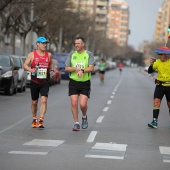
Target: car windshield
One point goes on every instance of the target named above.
(4, 61)
(17, 62)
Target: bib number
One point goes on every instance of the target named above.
(42, 73)
(79, 65)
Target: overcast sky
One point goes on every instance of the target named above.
(143, 15)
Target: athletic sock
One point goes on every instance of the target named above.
(155, 113)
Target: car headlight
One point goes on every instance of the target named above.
(7, 74)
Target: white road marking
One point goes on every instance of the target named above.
(110, 146)
(111, 97)
(164, 150)
(166, 161)
(99, 120)
(28, 153)
(113, 93)
(104, 156)
(91, 136)
(114, 151)
(41, 142)
(105, 109)
(109, 102)
(15, 124)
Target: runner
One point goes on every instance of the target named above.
(80, 64)
(41, 65)
(162, 65)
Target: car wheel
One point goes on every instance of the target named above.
(15, 90)
(24, 88)
(21, 89)
(10, 91)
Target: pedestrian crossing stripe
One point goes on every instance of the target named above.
(165, 151)
(42, 142)
(107, 151)
(28, 153)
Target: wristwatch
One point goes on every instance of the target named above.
(82, 70)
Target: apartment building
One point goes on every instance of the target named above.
(118, 22)
(97, 10)
(162, 23)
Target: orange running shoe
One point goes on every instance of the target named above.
(35, 123)
(41, 125)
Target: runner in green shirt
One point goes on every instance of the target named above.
(80, 64)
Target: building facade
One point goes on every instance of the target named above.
(118, 22)
(162, 23)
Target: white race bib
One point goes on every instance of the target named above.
(42, 73)
(79, 65)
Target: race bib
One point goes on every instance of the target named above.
(80, 65)
(42, 73)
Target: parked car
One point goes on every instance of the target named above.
(62, 57)
(56, 79)
(22, 78)
(28, 72)
(8, 75)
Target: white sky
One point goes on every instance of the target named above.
(143, 15)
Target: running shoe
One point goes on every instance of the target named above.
(76, 127)
(84, 124)
(35, 123)
(153, 124)
(41, 125)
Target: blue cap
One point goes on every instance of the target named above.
(42, 40)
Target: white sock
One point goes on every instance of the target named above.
(76, 122)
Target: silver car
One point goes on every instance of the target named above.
(28, 72)
(22, 73)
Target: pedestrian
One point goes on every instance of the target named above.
(120, 65)
(162, 66)
(40, 64)
(102, 67)
(80, 64)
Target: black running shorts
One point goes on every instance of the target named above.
(37, 89)
(76, 87)
(160, 91)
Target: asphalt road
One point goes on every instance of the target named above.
(117, 137)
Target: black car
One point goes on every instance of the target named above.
(8, 75)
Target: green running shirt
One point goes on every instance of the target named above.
(81, 61)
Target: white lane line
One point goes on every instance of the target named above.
(113, 93)
(28, 153)
(20, 121)
(111, 97)
(105, 109)
(92, 136)
(104, 156)
(109, 102)
(99, 120)
(15, 124)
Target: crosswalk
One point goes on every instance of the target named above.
(98, 150)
